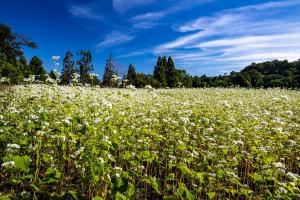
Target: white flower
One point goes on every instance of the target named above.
(225, 103)
(79, 151)
(13, 146)
(236, 142)
(118, 168)
(286, 98)
(55, 58)
(101, 160)
(9, 163)
(148, 87)
(130, 87)
(184, 119)
(279, 165)
(172, 157)
(107, 104)
(282, 190)
(117, 175)
(93, 75)
(292, 176)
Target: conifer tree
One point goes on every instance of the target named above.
(159, 71)
(85, 66)
(131, 75)
(109, 71)
(171, 73)
(36, 66)
(68, 68)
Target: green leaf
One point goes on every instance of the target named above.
(170, 177)
(211, 195)
(34, 187)
(2, 197)
(130, 189)
(97, 198)
(75, 195)
(290, 188)
(22, 163)
(184, 192)
(120, 196)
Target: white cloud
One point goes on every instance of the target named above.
(114, 38)
(150, 19)
(84, 12)
(124, 5)
(236, 37)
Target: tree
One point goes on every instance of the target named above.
(13, 64)
(23, 66)
(171, 74)
(11, 43)
(68, 68)
(85, 66)
(159, 71)
(109, 71)
(240, 80)
(131, 75)
(256, 78)
(36, 67)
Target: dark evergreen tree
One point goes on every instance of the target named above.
(171, 74)
(109, 71)
(85, 65)
(36, 66)
(160, 72)
(68, 68)
(23, 66)
(131, 75)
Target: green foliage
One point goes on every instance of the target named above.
(149, 144)
(131, 75)
(68, 69)
(85, 66)
(109, 71)
(36, 66)
(13, 64)
(11, 44)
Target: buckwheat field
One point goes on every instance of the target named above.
(61, 142)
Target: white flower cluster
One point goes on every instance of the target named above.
(4, 80)
(12, 146)
(92, 75)
(149, 87)
(78, 152)
(107, 104)
(132, 87)
(30, 79)
(7, 164)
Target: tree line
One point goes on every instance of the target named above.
(14, 66)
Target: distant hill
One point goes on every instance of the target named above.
(275, 73)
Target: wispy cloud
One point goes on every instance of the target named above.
(132, 54)
(150, 19)
(237, 37)
(124, 5)
(114, 38)
(85, 12)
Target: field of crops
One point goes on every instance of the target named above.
(90, 143)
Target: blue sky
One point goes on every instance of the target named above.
(209, 37)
